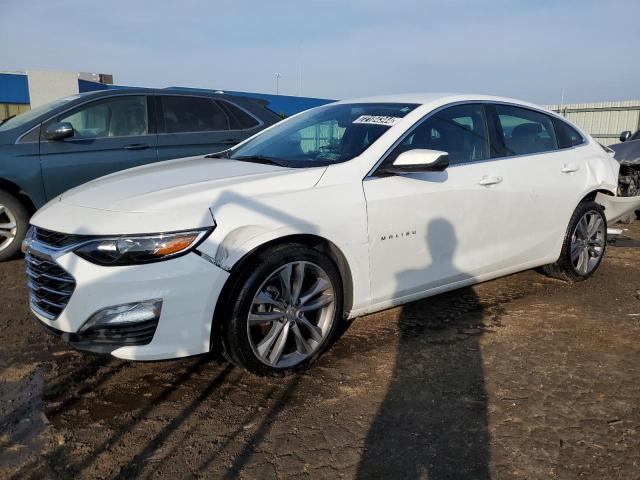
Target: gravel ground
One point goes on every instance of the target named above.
(522, 377)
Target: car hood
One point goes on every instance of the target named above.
(627, 153)
(7, 137)
(171, 195)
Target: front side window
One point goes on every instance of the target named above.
(525, 131)
(461, 131)
(323, 136)
(114, 117)
(192, 114)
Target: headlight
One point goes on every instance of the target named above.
(136, 249)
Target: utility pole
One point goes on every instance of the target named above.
(277, 77)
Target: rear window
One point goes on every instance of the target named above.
(192, 114)
(238, 118)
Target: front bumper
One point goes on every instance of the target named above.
(189, 287)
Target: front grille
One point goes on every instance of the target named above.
(50, 286)
(56, 239)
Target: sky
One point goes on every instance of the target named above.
(527, 49)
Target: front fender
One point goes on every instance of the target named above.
(20, 171)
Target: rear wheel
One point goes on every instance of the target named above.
(14, 221)
(284, 312)
(584, 245)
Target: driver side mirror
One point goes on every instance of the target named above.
(419, 161)
(624, 136)
(59, 131)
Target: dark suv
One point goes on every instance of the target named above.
(70, 141)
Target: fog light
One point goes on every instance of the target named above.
(122, 315)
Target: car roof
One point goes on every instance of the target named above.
(438, 98)
(156, 91)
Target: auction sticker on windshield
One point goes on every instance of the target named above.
(377, 120)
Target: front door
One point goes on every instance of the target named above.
(109, 135)
(432, 229)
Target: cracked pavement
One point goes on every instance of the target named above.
(521, 377)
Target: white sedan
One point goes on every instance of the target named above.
(334, 213)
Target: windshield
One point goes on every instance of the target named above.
(322, 136)
(25, 117)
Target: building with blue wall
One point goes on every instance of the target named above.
(20, 91)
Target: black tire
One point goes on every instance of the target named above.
(236, 345)
(564, 269)
(16, 211)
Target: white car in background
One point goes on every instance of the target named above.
(334, 213)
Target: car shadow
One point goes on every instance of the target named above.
(432, 422)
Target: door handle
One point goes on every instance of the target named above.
(488, 181)
(570, 168)
(230, 141)
(136, 146)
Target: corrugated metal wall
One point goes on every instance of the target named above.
(9, 109)
(603, 121)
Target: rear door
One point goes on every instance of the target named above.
(192, 125)
(109, 135)
(544, 179)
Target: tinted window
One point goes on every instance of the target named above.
(525, 131)
(114, 117)
(567, 135)
(238, 118)
(192, 114)
(31, 136)
(461, 131)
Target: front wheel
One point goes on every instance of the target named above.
(14, 221)
(285, 310)
(584, 244)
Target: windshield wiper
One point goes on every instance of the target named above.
(7, 119)
(222, 154)
(262, 159)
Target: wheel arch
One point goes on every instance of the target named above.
(314, 241)
(594, 193)
(15, 190)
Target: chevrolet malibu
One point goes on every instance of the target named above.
(343, 210)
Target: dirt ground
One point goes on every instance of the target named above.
(522, 377)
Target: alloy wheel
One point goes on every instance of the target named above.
(588, 242)
(8, 227)
(291, 314)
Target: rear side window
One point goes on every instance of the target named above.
(567, 135)
(525, 131)
(192, 114)
(238, 118)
